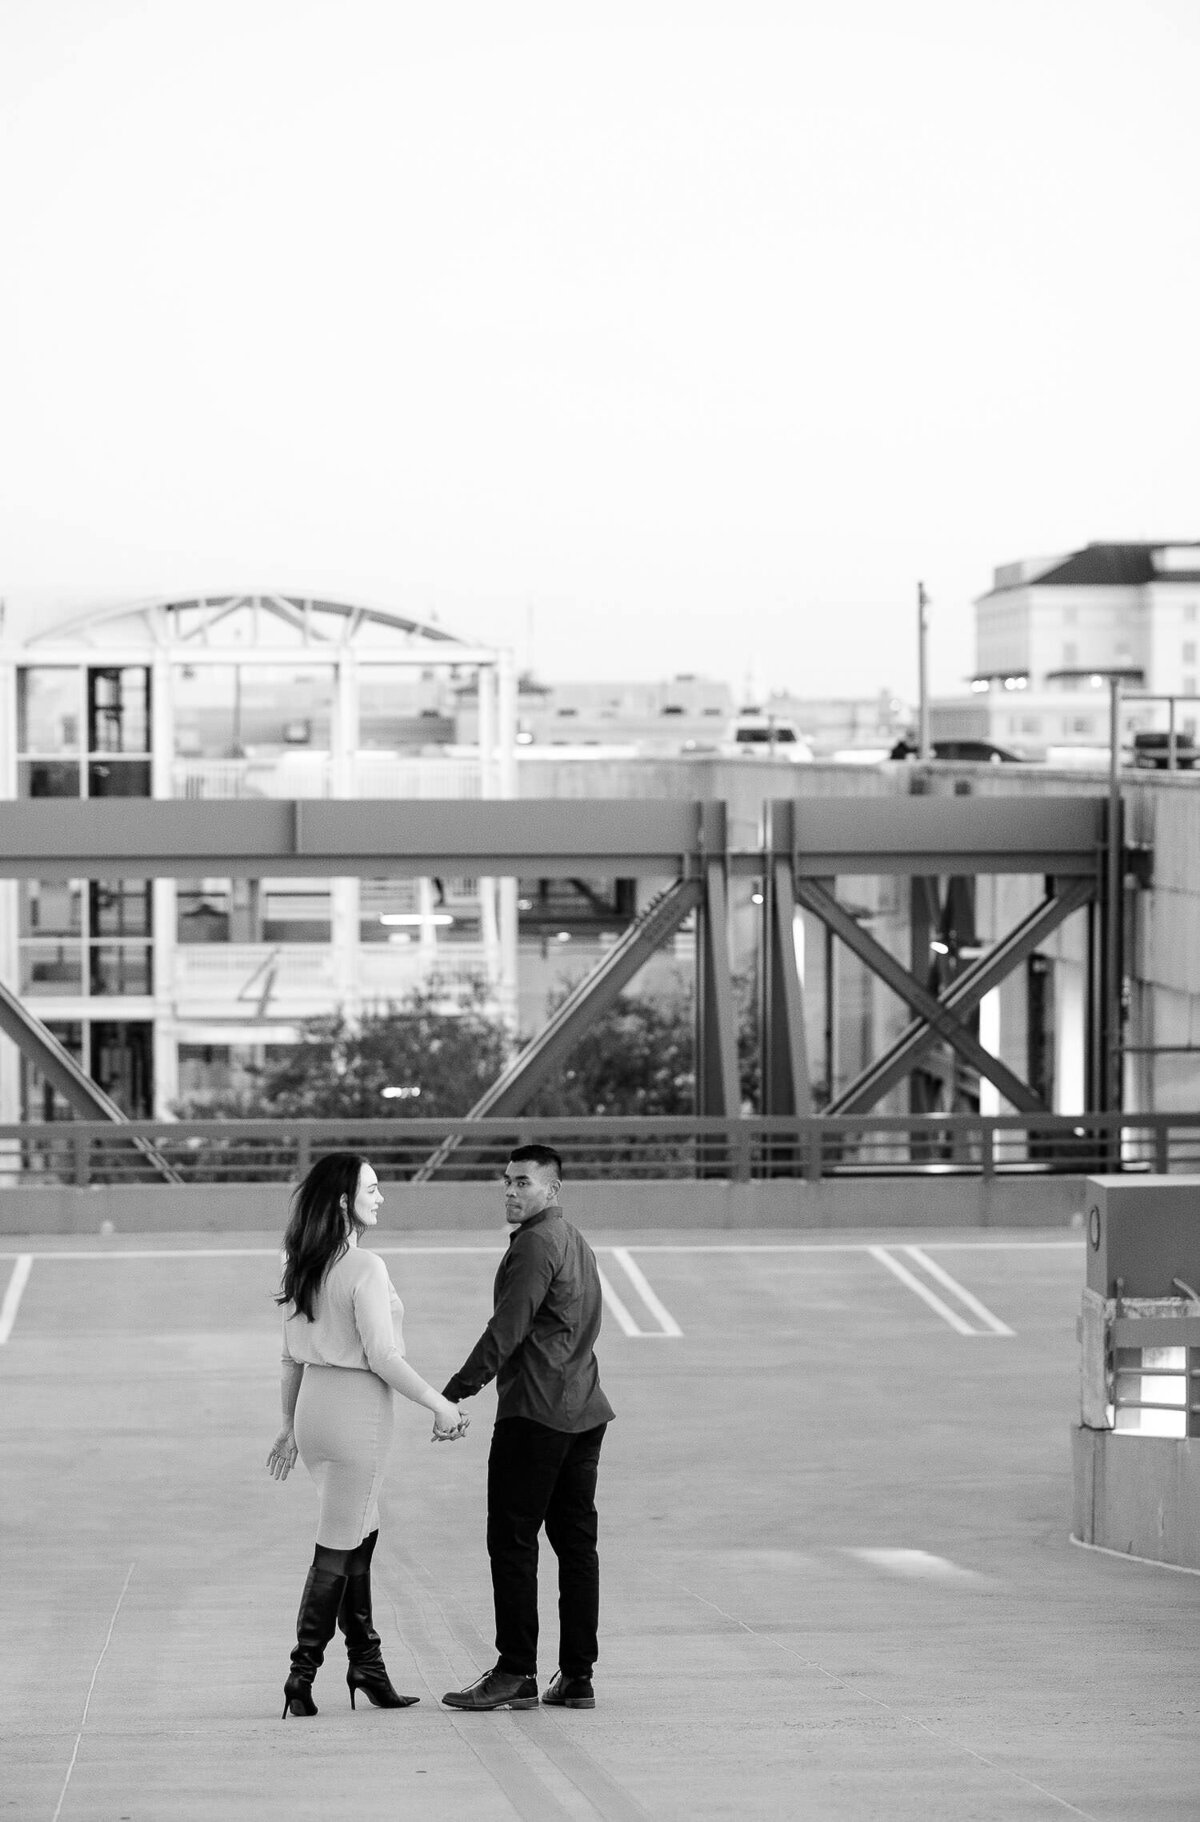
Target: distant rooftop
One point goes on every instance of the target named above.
(1105, 566)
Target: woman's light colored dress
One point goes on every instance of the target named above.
(344, 1410)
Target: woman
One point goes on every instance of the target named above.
(343, 1356)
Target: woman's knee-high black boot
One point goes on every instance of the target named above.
(315, 1626)
(367, 1670)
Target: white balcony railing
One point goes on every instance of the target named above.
(312, 775)
(245, 979)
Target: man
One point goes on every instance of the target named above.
(550, 1423)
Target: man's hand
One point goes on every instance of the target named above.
(449, 1423)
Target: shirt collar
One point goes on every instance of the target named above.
(552, 1208)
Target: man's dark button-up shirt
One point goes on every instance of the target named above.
(540, 1343)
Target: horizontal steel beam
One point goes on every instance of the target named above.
(835, 836)
(135, 838)
(130, 838)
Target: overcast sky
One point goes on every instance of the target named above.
(675, 335)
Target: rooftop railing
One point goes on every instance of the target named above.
(280, 1150)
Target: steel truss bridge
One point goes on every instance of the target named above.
(1074, 844)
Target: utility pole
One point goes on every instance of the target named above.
(1114, 880)
(924, 750)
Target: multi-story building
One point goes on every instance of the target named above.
(1052, 631)
(163, 988)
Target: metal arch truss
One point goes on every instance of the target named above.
(806, 844)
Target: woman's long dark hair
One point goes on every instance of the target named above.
(316, 1233)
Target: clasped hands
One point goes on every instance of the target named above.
(451, 1432)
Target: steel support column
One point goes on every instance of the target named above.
(786, 1088)
(717, 1089)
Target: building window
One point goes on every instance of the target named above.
(1189, 610)
(82, 937)
(1189, 651)
(1070, 654)
(108, 705)
(118, 1054)
(1189, 686)
(253, 911)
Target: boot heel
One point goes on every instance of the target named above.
(353, 1692)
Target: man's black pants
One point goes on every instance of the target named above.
(541, 1476)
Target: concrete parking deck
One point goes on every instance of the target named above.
(838, 1582)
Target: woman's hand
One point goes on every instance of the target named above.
(282, 1458)
(449, 1423)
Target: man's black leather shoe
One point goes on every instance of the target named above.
(495, 1689)
(570, 1692)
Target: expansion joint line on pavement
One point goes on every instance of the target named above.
(984, 1323)
(87, 1700)
(946, 1740)
(518, 1751)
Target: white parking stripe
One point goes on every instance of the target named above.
(12, 1296)
(613, 1303)
(921, 1290)
(965, 1297)
(667, 1324)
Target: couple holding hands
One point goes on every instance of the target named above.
(343, 1359)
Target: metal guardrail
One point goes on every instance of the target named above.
(83, 1152)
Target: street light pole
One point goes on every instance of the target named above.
(924, 750)
(1114, 960)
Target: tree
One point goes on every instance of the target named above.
(638, 1058)
(440, 1061)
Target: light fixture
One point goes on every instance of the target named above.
(939, 948)
(756, 898)
(564, 936)
(416, 917)
(412, 1093)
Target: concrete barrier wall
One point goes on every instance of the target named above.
(1138, 1495)
(900, 1202)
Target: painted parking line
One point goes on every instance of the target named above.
(667, 1324)
(615, 1307)
(667, 1327)
(914, 1284)
(965, 1297)
(12, 1296)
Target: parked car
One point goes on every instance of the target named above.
(1151, 751)
(985, 751)
(764, 736)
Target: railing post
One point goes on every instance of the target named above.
(814, 1134)
(80, 1147)
(1162, 1146)
(987, 1149)
(740, 1151)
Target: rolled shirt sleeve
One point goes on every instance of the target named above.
(521, 1285)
